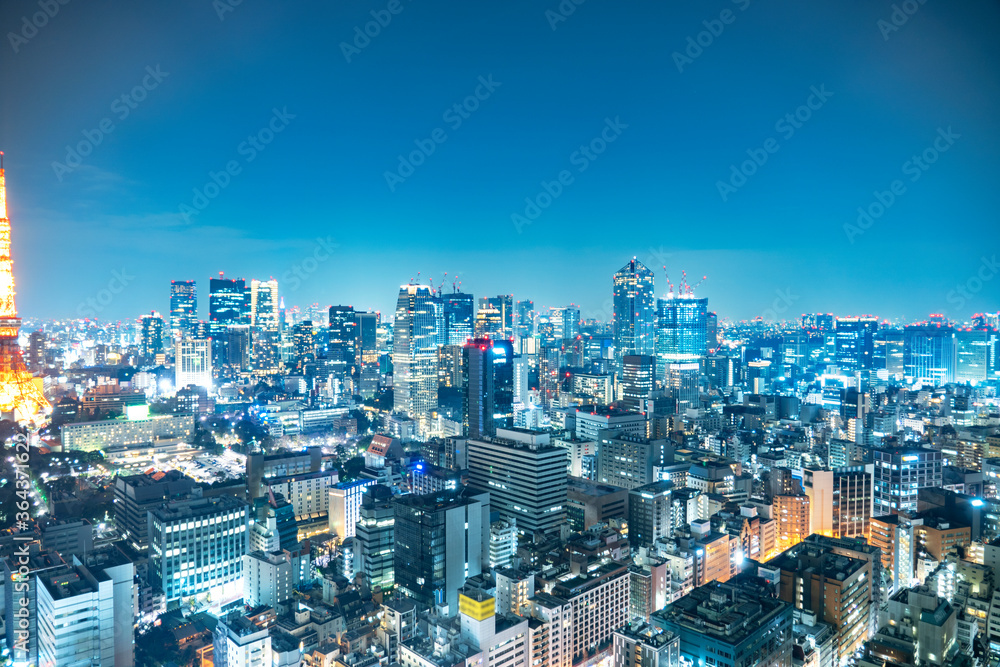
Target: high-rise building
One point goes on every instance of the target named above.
(762, 637)
(569, 322)
(972, 354)
(682, 382)
(525, 321)
(228, 305)
(440, 541)
(525, 476)
(345, 503)
(303, 344)
(627, 460)
(634, 312)
(681, 329)
(268, 578)
(366, 347)
(85, 614)
(192, 363)
(151, 340)
(414, 355)
(929, 353)
(374, 539)
(343, 336)
(264, 304)
(888, 352)
(202, 541)
(855, 342)
(488, 382)
(900, 472)
(459, 317)
(183, 308)
(650, 511)
(264, 325)
(599, 600)
(504, 304)
(638, 379)
(819, 576)
(840, 500)
(489, 322)
(135, 495)
(791, 512)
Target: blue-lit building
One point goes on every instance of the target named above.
(459, 317)
(681, 329)
(488, 380)
(855, 342)
(737, 623)
(929, 353)
(634, 312)
(183, 308)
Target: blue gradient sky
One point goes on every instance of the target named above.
(652, 193)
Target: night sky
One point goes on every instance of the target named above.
(670, 117)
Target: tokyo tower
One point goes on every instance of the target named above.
(21, 396)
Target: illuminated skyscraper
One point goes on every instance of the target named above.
(20, 396)
(489, 323)
(635, 315)
(414, 355)
(192, 363)
(264, 305)
(343, 335)
(855, 347)
(929, 353)
(228, 305)
(638, 379)
(971, 354)
(488, 370)
(183, 308)
(264, 325)
(151, 337)
(888, 351)
(303, 344)
(681, 329)
(504, 303)
(228, 302)
(459, 317)
(900, 472)
(524, 325)
(366, 347)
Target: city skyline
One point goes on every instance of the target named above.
(664, 170)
